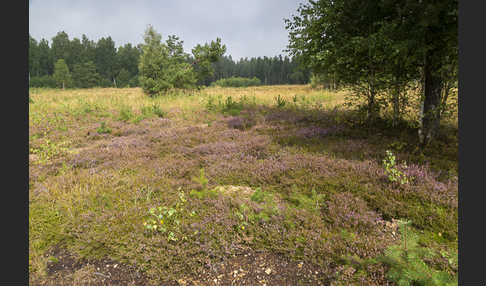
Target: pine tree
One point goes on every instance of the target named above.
(61, 75)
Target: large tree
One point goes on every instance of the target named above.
(165, 66)
(61, 48)
(85, 75)
(380, 46)
(204, 56)
(105, 58)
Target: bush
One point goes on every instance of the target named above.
(42, 81)
(237, 82)
(407, 266)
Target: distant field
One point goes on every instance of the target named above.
(277, 183)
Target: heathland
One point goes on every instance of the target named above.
(275, 185)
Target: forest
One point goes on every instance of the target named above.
(101, 63)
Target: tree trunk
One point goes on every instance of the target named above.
(396, 105)
(431, 102)
(372, 114)
(63, 85)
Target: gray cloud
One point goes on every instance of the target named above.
(248, 28)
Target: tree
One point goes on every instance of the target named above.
(105, 58)
(46, 61)
(123, 78)
(380, 46)
(61, 48)
(85, 75)
(34, 65)
(61, 75)
(165, 66)
(204, 56)
(127, 58)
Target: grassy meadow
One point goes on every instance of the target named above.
(186, 189)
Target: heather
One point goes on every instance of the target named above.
(303, 180)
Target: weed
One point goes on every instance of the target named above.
(167, 220)
(258, 196)
(210, 106)
(103, 129)
(125, 113)
(232, 107)
(158, 111)
(49, 150)
(280, 101)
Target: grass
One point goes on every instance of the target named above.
(278, 169)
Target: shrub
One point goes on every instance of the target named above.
(393, 173)
(406, 263)
(42, 81)
(103, 128)
(237, 82)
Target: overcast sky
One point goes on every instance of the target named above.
(249, 28)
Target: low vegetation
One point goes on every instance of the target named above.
(237, 82)
(173, 186)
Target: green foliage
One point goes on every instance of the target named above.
(42, 81)
(164, 66)
(204, 56)
(230, 106)
(123, 78)
(61, 75)
(201, 180)
(394, 174)
(258, 196)
(312, 202)
(280, 101)
(406, 262)
(85, 75)
(103, 129)
(125, 113)
(49, 150)
(167, 219)
(154, 109)
(202, 190)
(373, 48)
(237, 82)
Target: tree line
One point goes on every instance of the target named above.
(84, 63)
(88, 63)
(269, 70)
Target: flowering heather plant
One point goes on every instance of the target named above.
(241, 123)
(314, 131)
(348, 211)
